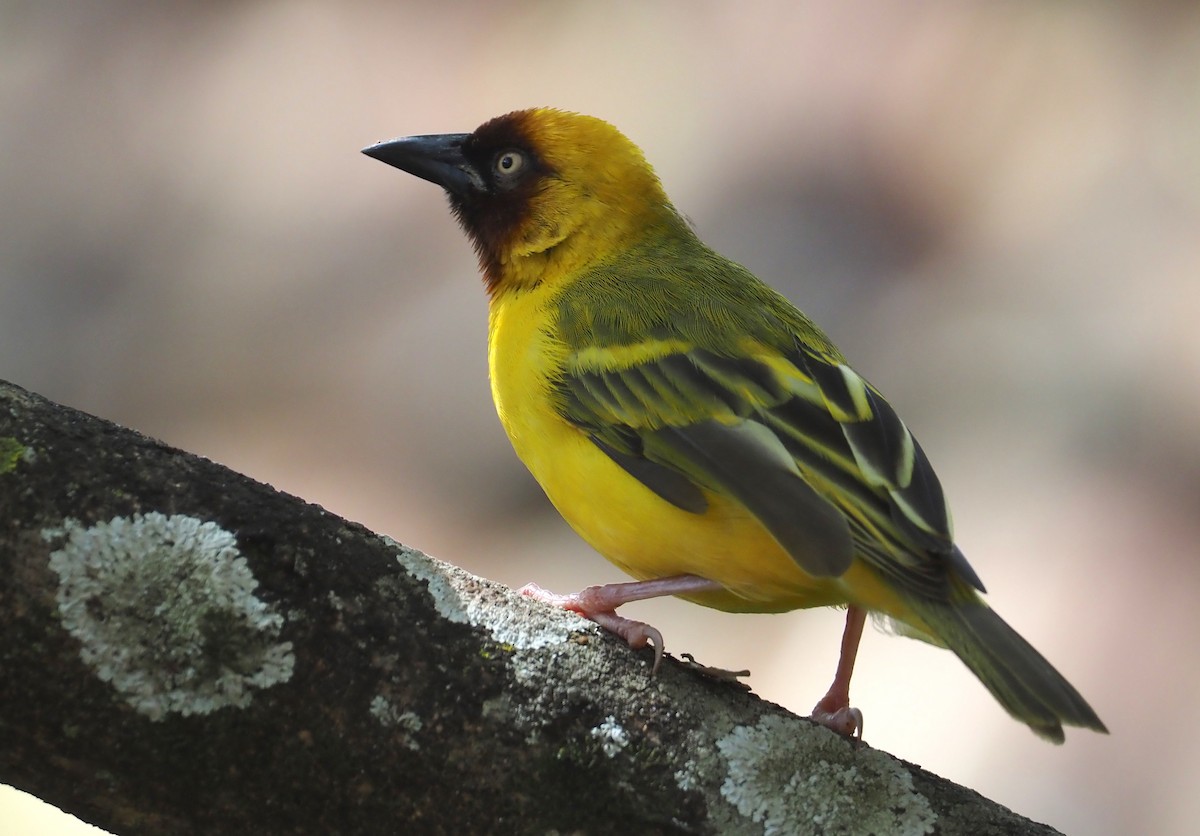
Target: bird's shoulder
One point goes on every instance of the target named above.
(671, 293)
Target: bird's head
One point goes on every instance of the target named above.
(540, 192)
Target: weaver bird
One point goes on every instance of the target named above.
(692, 425)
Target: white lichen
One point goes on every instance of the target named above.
(611, 735)
(165, 610)
(690, 775)
(405, 722)
(457, 599)
(805, 783)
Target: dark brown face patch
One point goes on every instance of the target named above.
(494, 216)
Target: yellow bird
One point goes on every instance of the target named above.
(696, 428)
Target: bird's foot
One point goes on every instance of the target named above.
(599, 603)
(834, 711)
(846, 721)
(593, 604)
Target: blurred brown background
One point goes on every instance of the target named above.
(994, 209)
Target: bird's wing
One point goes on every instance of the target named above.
(799, 439)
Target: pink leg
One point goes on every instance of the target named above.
(599, 603)
(834, 711)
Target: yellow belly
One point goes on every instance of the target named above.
(626, 522)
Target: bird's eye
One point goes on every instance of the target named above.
(508, 164)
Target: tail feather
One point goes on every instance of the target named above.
(1019, 677)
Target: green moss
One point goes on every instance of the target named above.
(497, 651)
(11, 452)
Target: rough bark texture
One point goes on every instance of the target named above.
(184, 650)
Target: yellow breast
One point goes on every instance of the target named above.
(617, 515)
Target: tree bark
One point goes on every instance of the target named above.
(184, 650)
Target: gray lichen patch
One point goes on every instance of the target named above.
(459, 597)
(166, 613)
(805, 783)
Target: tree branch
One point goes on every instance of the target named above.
(185, 650)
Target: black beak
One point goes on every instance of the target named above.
(438, 159)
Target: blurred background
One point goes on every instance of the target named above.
(994, 209)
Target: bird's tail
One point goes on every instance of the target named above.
(1019, 677)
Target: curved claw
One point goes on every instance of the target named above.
(637, 634)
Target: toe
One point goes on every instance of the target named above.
(846, 721)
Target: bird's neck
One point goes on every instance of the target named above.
(560, 250)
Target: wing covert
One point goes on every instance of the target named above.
(802, 442)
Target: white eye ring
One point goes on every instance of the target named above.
(509, 163)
